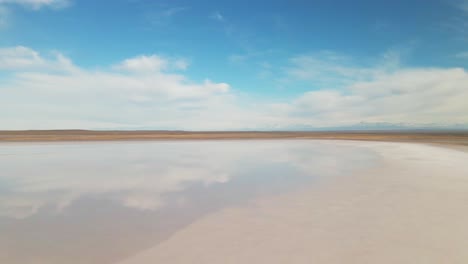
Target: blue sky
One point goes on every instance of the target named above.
(137, 64)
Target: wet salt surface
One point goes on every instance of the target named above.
(102, 202)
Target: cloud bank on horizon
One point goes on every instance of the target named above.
(223, 66)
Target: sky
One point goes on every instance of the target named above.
(233, 65)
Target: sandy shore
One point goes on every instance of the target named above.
(413, 208)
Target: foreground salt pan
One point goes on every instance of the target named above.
(411, 209)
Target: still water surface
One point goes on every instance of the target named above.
(105, 201)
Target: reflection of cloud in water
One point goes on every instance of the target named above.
(142, 175)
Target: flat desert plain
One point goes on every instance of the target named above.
(444, 137)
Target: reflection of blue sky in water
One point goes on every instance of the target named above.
(139, 175)
(144, 190)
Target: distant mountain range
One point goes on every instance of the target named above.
(369, 126)
(402, 126)
(362, 126)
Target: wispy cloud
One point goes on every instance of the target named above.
(260, 58)
(463, 5)
(217, 16)
(173, 11)
(4, 17)
(462, 55)
(237, 58)
(6, 13)
(38, 4)
(458, 22)
(266, 70)
(240, 35)
(165, 16)
(250, 55)
(328, 69)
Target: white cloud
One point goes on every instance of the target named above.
(151, 64)
(148, 91)
(345, 93)
(22, 58)
(418, 96)
(38, 4)
(144, 64)
(138, 92)
(19, 57)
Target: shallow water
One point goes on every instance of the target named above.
(102, 202)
